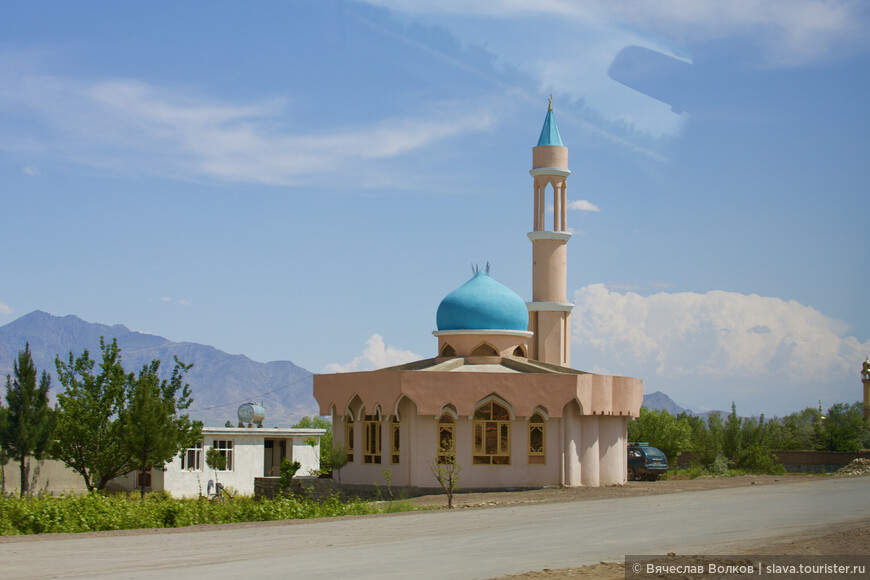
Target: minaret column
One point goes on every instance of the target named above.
(549, 311)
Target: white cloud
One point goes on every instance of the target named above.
(5, 308)
(131, 126)
(376, 355)
(719, 346)
(582, 205)
(584, 38)
(31, 171)
(791, 31)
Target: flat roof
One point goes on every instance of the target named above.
(263, 431)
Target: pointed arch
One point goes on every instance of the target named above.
(398, 404)
(520, 351)
(372, 436)
(484, 349)
(450, 409)
(536, 440)
(446, 434)
(353, 407)
(542, 410)
(448, 351)
(491, 432)
(495, 397)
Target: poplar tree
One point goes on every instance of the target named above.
(154, 429)
(28, 423)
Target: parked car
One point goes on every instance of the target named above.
(645, 462)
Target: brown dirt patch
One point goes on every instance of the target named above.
(630, 489)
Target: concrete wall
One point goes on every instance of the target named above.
(48, 476)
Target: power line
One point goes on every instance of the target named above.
(248, 400)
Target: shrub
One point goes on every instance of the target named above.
(98, 512)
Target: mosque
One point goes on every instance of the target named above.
(500, 391)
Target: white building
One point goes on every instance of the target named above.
(250, 452)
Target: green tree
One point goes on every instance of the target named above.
(90, 436)
(153, 425)
(337, 460)
(4, 457)
(661, 430)
(288, 471)
(111, 423)
(704, 441)
(796, 431)
(29, 421)
(843, 429)
(217, 461)
(317, 422)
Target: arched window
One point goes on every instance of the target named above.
(372, 443)
(492, 435)
(394, 439)
(448, 351)
(518, 351)
(537, 440)
(348, 437)
(446, 437)
(484, 349)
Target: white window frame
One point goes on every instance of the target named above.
(225, 446)
(196, 452)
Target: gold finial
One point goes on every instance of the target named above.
(551, 102)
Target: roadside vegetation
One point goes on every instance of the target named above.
(95, 512)
(734, 445)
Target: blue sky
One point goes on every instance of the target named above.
(307, 180)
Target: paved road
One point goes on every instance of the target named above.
(460, 544)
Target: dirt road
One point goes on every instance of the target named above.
(532, 531)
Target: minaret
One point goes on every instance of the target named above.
(549, 311)
(865, 381)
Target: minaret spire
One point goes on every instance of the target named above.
(549, 311)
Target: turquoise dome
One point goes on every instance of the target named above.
(482, 304)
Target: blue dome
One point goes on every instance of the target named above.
(480, 304)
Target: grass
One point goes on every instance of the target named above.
(695, 471)
(99, 512)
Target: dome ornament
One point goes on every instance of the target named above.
(475, 268)
(550, 108)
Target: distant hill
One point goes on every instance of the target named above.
(220, 382)
(659, 401)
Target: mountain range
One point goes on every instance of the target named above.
(220, 382)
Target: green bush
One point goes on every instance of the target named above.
(98, 512)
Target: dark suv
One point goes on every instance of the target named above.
(645, 462)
